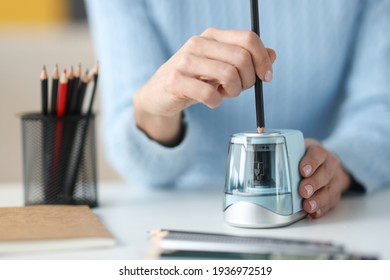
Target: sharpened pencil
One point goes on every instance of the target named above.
(59, 143)
(76, 84)
(259, 84)
(44, 91)
(62, 95)
(45, 133)
(69, 97)
(54, 91)
(95, 81)
(81, 92)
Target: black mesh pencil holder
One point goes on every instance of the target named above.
(59, 160)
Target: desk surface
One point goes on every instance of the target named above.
(360, 223)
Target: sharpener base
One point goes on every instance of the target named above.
(250, 215)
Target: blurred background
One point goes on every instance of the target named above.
(33, 34)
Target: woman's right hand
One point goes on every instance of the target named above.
(215, 65)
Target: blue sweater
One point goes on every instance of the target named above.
(331, 81)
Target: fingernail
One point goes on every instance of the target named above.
(318, 213)
(268, 76)
(309, 189)
(307, 169)
(313, 205)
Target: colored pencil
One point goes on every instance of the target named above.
(62, 95)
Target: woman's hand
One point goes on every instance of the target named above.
(215, 65)
(324, 179)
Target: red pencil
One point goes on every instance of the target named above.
(62, 95)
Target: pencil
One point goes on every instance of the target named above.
(44, 91)
(76, 84)
(81, 92)
(46, 139)
(95, 81)
(54, 91)
(59, 151)
(69, 97)
(62, 95)
(259, 84)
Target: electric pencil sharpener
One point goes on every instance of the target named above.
(261, 188)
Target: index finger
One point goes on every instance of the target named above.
(249, 41)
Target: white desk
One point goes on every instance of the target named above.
(360, 223)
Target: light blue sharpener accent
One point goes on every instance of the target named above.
(262, 179)
(295, 151)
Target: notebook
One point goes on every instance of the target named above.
(51, 227)
(202, 245)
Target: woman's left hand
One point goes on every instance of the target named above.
(324, 179)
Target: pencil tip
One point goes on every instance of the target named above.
(70, 73)
(260, 129)
(44, 73)
(55, 72)
(86, 78)
(96, 68)
(63, 78)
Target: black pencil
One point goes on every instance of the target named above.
(259, 84)
(76, 84)
(46, 155)
(54, 91)
(69, 96)
(77, 75)
(44, 91)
